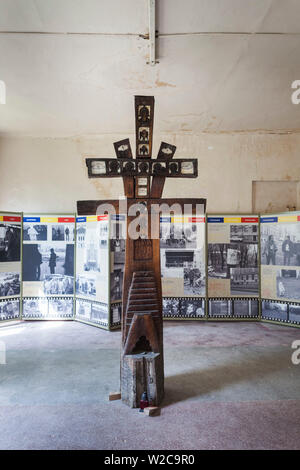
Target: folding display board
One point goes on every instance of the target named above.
(48, 266)
(10, 265)
(280, 268)
(182, 257)
(233, 266)
(222, 267)
(117, 266)
(92, 270)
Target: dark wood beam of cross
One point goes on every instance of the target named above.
(142, 370)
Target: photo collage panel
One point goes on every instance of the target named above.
(10, 265)
(232, 253)
(92, 269)
(48, 265)
(182, 254)
(280, 257)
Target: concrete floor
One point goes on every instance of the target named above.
(228, 386)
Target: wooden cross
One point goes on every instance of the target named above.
(142, 367)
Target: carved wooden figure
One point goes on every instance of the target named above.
(142, 366)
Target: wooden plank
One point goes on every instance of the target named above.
(114, 396)
(144, 116)
(166, 152)
(152, 411)
(123, 150)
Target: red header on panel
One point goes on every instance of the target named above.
(102, 217)
(249, 220)
(196, 219)
(11, 218)
(66, 219)
(298, 218)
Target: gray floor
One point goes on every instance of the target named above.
(228, 386)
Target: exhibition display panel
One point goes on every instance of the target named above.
(280, 267)
(222, 267)
(100, 262)
(117, 267)
(233, 266)
(48, 266)
(183, 273)
(92, 270)
(10, 266)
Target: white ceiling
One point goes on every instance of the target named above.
(224, 65)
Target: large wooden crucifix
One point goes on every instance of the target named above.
(142, 366)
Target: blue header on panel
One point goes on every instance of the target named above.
(265, 220)
(215, 220)
(165, 219)
(31, 219)
(80, 219)
(118, 217)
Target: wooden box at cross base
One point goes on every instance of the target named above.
(142, 361)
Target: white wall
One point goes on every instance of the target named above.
(45, 175)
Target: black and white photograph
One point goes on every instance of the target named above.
(194, 280)
(242, 255)
(288, 283)
(280, 244)
(80, 236)
(294, 313)
(9, 284)
(83, 309)
(178, 235)
(57, 284)
(85, 286)
(222, 257)
(245, 308)
(116, 284)
(40, 260)
(58, 232)
(60, 307)
(102, 234)
(244, 233)
(192, 308)
(171, 307)
(10, 242)
(34, 307)
(92, 255)
(99, 313)
(117, 247)
(88, 248)
(9, 309)
(217, 260)
(177, 259)
(118, 229)
(219, 308)
(244, 281)
(116, 313)
(34, 232)
(274, 310)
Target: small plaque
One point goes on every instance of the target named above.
(142, 191)
(187, 168)
(98, 168)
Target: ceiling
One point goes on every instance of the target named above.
(71, 67)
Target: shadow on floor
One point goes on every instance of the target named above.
(206, 381)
